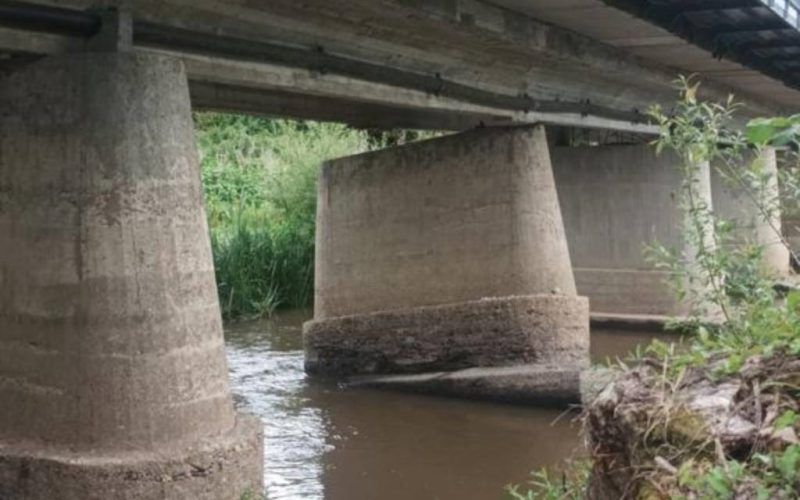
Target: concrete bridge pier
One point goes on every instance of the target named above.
(617, 199)
(113, 377)
(445, 255)
(753, 224)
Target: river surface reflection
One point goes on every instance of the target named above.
(323, 442)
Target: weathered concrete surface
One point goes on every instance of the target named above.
(442, 221)
(111, 345)
(215, 468)
(699, 239)
(532, 329)
(473, 43)
(753, 224)
(632, 322)
(617, 199)
(538, 385)
(443, 255)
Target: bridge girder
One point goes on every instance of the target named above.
(385, 63)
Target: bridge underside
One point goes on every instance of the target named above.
(450, 254)
(445, 65)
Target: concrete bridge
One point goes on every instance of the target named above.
(471, 254)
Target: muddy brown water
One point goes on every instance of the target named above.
(325, 442)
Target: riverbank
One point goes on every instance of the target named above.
(663, 430)
(717, 417)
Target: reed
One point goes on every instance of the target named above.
(259, 181)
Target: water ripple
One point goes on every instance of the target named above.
(266, 370)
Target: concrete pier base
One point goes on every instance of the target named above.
(218, 467)
(446, 255)
(528, 385)
(533, 329)
(113, 377)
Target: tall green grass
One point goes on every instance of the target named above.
(259, 179)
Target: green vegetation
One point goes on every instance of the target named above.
(570, 484)
(757, 320)
(716, 417)
(249, 495)
(259, 178)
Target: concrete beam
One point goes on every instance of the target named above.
(460, 53)
(281, 91)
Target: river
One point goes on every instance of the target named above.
(325, 442)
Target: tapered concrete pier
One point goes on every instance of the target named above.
(113, 378)
(756, 212)
(444, 255)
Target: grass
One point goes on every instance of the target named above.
(249, 495)
(645, 435)
(570, 484)
(664, 428)
(259, 180)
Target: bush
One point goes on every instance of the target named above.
(259, 179)
(718, 416)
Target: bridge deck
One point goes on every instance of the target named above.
(412, 63)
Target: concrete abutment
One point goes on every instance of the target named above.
(113, 375)
(446, 254)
